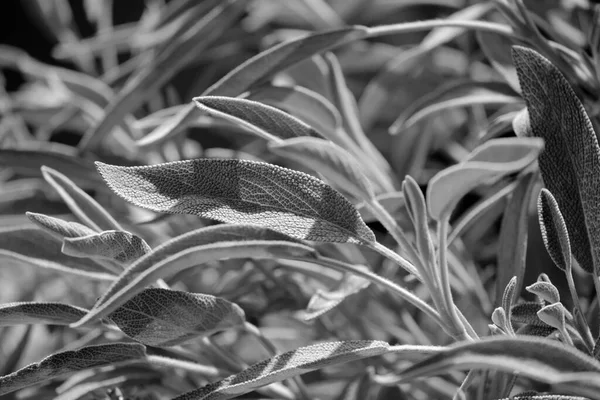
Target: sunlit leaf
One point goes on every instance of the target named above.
(286, 365)
(161, 317)
(120, 246)
(39, 313)
(554, 230)
(61, 364)
(59, 228)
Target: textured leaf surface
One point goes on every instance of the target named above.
(526, 313)
(286, 365)
(120, 246)
(492, 160)
(68, 362)
(240, 191)
(188, 258)
(338, 166)
(39, 313)
(265, 121)
(570, 164)
(554, 230)
(59, 228)
(161, 317)
(537, 358)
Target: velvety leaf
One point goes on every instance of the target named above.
(570, 164)
(265, 121)
(286, 365)
(68, 362)
(81, 204)
(536, 330)
(39, 313)
(324, 301)
(554, 230)
(554, 315)
(59, 228)
(526, 313)
(190, 257)
(162, 317)
(545, 290)
(338, 166)
(120, 246)
(512, 247)
(239, 191)
(492, 160)
(497, 50)
(532, 357)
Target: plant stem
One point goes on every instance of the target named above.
(408, 27)
(204, 370)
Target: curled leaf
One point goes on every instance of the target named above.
(39, 313)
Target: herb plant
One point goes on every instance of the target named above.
(348, 208)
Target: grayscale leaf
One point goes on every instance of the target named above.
(338, 166)
(120, 246)
(80, 203)
(496, 49)
(68, 362)
(240, 191)
(391, 202)
(490, 161)
(59, 228)
(554, 230)
(512, 247)
(27, 313)
(264, 121)
(287, 365)
(526, 313)
(162, 317)
(324, 301)
(545, 290)
(570, 164)
(192, 256)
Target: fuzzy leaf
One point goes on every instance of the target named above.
(39, 313)
(512, 248)
(59, 228)
(68, 362)
(554, 315)
(526, 313)
(554, 230)
(338, 166)
(120, 246)
(537, 358)
(133, 283)
(287, 365)
(265, 121)
(545, 290)
(570, 164)
(240, 191)
(490, 161)
(162, 317)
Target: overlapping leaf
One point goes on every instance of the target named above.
(554, 230)
(39, 313)
(59, 228)
(120, 246)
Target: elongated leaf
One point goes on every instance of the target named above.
(240, 191)
(65, 363)
(492, 160)
(338, 166)
(81, 204)
(265, 121)
(59, 228)
(512, 247)
(10, 362)
(537, 358)
(161, 317)
(497, 49)
(120, 246)
(188, 258)
(39, 313)
(324, 301)
(554, 230)
(286, 365)
(391, 202)
(570, 164)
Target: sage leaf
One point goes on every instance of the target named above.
(26, 313)
(490, 161)
(512, 248)
(545, 290)
(120, 246)
(240, 191)
(532, 357)
(497, 49)
(554, 230)
(265, 121)
(59, 228)
(526, 313)
(68, 362)
(324, 301)
(392, 202)
(162, 317)
(188, 258)
(570, 164)
(287, 365)
(80, 203)
(338, 166)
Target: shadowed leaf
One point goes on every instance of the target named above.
(120, 246)
(39, 313)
